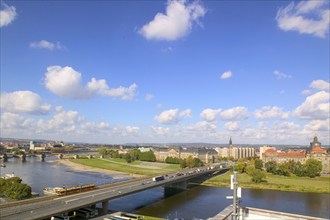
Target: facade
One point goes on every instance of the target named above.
(235, 152)
(204, 154)
(316, 152)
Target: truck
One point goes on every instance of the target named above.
(158, 178)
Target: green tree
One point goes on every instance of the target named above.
(257, 176)
(271, 167)
(135, 153)
(258, 164)
(147, 156)
(14, 189)
(128, 158)
(240, 165)
(183, 164)
(190, 161)
(299, 169)
(249, 169)
(197, 162)
(103, 151)
(313, 167)
(18, 191)
(283, 169)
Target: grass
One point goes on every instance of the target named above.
(136, 167)
(275, 182)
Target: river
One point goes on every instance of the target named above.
(200, 202)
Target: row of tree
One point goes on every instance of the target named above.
(189, 162)
(13, 188)
(132, 155)
(310, 168)
(255, 168)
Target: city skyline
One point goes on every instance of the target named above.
(165, 71)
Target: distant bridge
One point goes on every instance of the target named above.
(47, 206)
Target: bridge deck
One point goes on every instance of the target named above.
(55, 205)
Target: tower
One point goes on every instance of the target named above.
(230, 142)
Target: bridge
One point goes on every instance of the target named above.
(47, 206)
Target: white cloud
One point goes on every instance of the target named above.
(320, 85)
(7, 14)
(268, 112)
(307, 17)
(234, 114)
(232, 126)
(185, 113)
(315, 107)
(318, 126)
(161, 131)
(12, 121)
(176, 23)
(172, 116)
(23, 102)
(149, 97)
(226, 75)
(210, 115)
(43, 44)
(66, 82)
(125, 130)
(281, 75)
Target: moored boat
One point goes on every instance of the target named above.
(51, 190)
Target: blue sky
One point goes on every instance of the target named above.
(165, 71)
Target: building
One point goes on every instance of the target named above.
(235, 152)
(206, 155)
(315, 152)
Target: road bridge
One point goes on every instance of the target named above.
(45, 207)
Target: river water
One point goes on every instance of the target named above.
(200, 202)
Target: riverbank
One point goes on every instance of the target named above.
(120, 166)
(80, 167)
(275, 182)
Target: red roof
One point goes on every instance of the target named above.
(291, 153)
(318, 149)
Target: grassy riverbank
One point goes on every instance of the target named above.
(136, 167)
(275, 182)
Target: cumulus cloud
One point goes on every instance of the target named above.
(234, 114)
(66, 82)
(210, 115)
(232, 126)
(43, 44)
(307, 17)
(280, 75)
(23, 102)
(125, 130)
(172, 116)
(226, 75)
(318, 126)
(320, 85)
(268, 112)
(161, 131)
(7, 14)
(315, 107)
(176, 23)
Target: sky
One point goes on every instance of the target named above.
(116, 72)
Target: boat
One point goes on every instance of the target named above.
(69, 190)
(51, 190)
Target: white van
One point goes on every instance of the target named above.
(58, 217)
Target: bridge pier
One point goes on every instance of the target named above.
(23, 157)
(174, 188)
(60, 156)
(5, 157)
(105, 207)
(43, 155)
